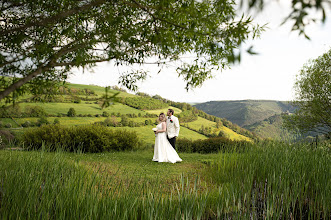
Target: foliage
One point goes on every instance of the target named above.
(34, 111)
(313, 92)
(105, 114)
(56, 121)
(88, 138)
(145, 103)
(71, 112)
(26, 124)
(187, 116)
(107, 99)
(272, 127)
(6, 137)
(8, 125)
(301, 12)
(10, 111)
(42, 121)
(210, 145)
(41, 41)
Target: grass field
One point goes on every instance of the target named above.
(196, 125)
(268, 181)
(82, 108)
(147, 136)
(145, 132)
(164, 110)
(98, 89)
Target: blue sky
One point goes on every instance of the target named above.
(269, 75)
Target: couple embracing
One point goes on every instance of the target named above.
(165, 138)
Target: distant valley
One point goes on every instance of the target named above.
(260, 116)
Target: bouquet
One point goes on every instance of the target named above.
(154, 129)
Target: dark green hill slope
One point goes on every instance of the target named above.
(272, 128)
(245, 112)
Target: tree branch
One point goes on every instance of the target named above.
(55, 18)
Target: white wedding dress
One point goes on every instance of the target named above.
(163, 151)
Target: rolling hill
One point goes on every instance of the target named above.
(139, 111)
(245, 112)
(263, 117)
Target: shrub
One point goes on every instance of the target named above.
(71, 112)
(56, 121)
(26, 124)
(89, 138)
(42, 121)
(210, 145)
(6, 136)
(111, 122)
(34, 111)
(10, 111)
(8, 125)
(77, 100)
(105, 114)
(124, 120)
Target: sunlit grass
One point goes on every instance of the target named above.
(164, 110)
(147, 135)
(196, 125)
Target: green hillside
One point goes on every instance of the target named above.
(131, 112)
(245, 112)
(272, 128)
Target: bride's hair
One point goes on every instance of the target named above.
(163, 116)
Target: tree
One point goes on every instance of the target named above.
(41, 41)
(301, 12)
(71, 112)
(313, 97)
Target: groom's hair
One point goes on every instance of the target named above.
(172, 111)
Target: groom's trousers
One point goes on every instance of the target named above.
(172, 141)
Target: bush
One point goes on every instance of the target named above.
(42, 121)
(10, 111)
(26, 124)
(56, 121)
(111, 122)
(105, 114)
(71, 112)
(210, 145)
(78, 101)
(6, 136)
(34, 111)
(89, 138)
(8, 125)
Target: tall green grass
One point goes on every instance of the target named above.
(41, 185)
(277, 181)
(274, 181)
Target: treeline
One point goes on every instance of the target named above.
(144, 103)
(38, 111)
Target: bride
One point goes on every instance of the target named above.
(163, 151)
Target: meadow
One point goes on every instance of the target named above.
(269, 181)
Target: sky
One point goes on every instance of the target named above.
(270, 75)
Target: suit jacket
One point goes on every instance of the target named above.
(172, 127)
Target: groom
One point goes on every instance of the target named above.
(172, 127)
